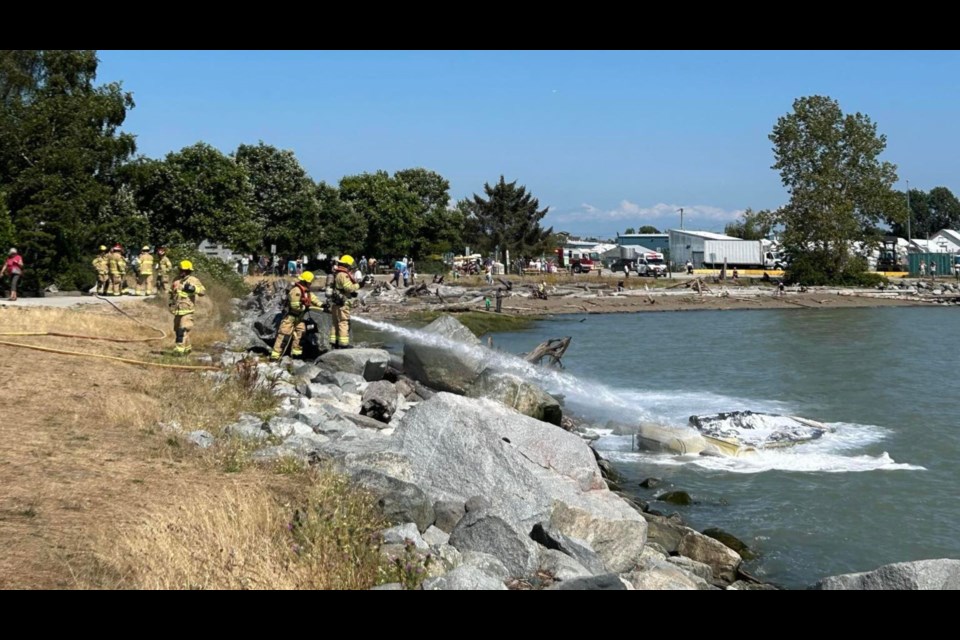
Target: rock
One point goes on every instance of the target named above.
(317, 391)
(244, 338)
(676, 497)
(390, 586)
(380, 401)
(487, 563)
(699, 569)
(450, 557)
(308, 446)
(249, 427)
(578, 550)
(363, 422)
(662, 576)
(348, 382)
(284, 427)
(306, 371)
(606, 582)
(462, 447)
(921, 575)
(448, 514)
(403, 534)
(731, 541)
(285, 390)
(270, 455)
(743, 585)
(619, 543)
(423, 392)
(399, 501)
(464, 578)
(443, 367)
(561, 566)
(477, 503)
(666, 532)
(201, 438)
(517, 393)
(477, 531)
(370, 364)
(405, 387)
(651, 483)
(435, 537)
(723, 560)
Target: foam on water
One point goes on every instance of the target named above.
(602, 403)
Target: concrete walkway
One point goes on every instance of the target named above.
(64, 302)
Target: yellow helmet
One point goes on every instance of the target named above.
(102, 248)
(347, 260)
(307, 276)
(186, 265)
(145, 248)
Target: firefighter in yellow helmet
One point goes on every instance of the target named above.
(117, 266)
(341, 295)
(183, 303)
(101, 265)
(145, 272)
(164, 268)
(300, 300)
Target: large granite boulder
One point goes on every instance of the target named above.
(517, 393)
(452, 363)
(458, 448)
(926, 575)
(368, 363)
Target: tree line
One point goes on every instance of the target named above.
(70, 180)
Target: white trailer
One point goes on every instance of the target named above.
(739, 253)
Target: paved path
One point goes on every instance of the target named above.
(63, 302)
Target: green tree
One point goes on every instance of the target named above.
(931, 212)
(508, 218)
(8, 237)
(343, 229)
(391, 210)
(120, 221)
(284, 199)
(441, 227)
(751, 225)
(630, 231)
(198, 194)
(839, 189)
(60, 148)
(648, 229)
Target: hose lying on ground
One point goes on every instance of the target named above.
(162, 336)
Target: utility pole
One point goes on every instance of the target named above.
(909, 213)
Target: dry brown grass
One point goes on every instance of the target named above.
(244, 537)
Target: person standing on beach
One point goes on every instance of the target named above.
(933, 270)
(923, 268)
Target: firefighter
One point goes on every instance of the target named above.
(183, 303)
(117, 267)
(300, 300)
(164, 267)
(101, 265)
(145, 272)
(341, 295)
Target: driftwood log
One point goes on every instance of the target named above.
(553, 349)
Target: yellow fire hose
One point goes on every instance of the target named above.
(162, 336)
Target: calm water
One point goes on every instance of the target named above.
(882, 488)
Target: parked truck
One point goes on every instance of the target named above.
(651, 263)
(746, 254)
(579, 260)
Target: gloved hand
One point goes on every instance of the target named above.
(189, 288)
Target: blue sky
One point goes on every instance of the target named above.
(608, 140)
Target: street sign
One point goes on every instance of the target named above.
(273, 249)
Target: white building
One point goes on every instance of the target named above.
(945, 241)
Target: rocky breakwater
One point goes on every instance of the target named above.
(499, 499)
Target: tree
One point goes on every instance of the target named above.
(198, 194)
(751, 225)
(630, 231)
(343, 229)
(60, 148)
(509, 218)
(930, 212)
(284, 199)
(839, 189)
(441, 227)
(390, 209)
(8, 237)
(648, 229)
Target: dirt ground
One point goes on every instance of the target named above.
(79, 457)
